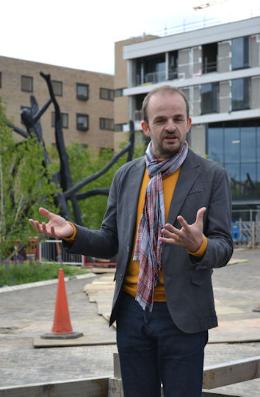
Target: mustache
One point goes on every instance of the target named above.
(170, 135)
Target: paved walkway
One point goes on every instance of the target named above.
(27, 313)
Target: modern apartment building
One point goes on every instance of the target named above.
(218, 68)
(85, 99)
(121, 112)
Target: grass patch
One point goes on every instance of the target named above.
(13, 274)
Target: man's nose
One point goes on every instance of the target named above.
(170, 125)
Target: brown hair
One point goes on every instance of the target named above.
(163, 89)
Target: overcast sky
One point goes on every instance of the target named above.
(81, 33)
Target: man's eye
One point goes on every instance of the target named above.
(179, 120)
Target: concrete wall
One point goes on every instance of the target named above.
(197, 60)
(254, 50)
(196, 100)
(224, 97)
(198, 139)
(255, 92)
(224, 56)
(184, 63)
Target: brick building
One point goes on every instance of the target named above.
(85, 99)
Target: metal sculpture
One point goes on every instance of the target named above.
(31, 119)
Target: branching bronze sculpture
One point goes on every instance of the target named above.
(69, 192)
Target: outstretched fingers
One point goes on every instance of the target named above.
(42, 228)
(184, 224)
(170, 234)
(45, 212)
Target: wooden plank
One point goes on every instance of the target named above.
(116, 362)
(219, 375)
(95, 387)
(115, 389)
(232, 372)
(85, 340)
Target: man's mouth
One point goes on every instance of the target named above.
(170, 138)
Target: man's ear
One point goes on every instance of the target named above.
(189, 123)
(145, 128)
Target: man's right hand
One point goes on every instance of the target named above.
(56, 227)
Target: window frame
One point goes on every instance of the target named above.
(64, 116)
(210, 98)
(57, 83)
(103, 123)
(110, 94)
(24, 80)
(78, 115)
(241, 52)
(82, 97)
(246, 94)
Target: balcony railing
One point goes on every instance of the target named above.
(151, 78)
(209, 67)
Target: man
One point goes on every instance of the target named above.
(168, 221)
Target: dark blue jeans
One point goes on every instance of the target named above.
(152, 350)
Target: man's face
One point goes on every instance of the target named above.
(167, 124)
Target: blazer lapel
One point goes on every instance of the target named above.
(190, 171)
(133, 190)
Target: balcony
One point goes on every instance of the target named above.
(209, 67)
(150, 78)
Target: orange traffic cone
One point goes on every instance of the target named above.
(61, 328)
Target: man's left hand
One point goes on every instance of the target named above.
(189, 236)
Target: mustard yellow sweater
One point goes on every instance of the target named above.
(130, 283)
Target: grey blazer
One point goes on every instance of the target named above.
(188, 285)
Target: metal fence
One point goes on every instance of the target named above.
(53, 251)
(246, 233)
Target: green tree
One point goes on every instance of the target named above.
(84, 163)
(24, 186)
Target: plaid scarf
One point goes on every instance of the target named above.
(148, 248)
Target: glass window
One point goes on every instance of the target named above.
(209, 98)
(150, 69)
(119, 92)
(258, 143)
(233, 170)
(258, 173)
(240, 94)
(82, 122)
(26, 83)
(57, 87)
(240, 53)
(236, 145)
(209, 57)
(173, 65)
(120, 127)
(248, 180)
(248, 144)
(106, 93)
(248, 173)
(106, 124)
(216, 144)
(64, 120)
(154, 69)
(232, 144)
(82, 91)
